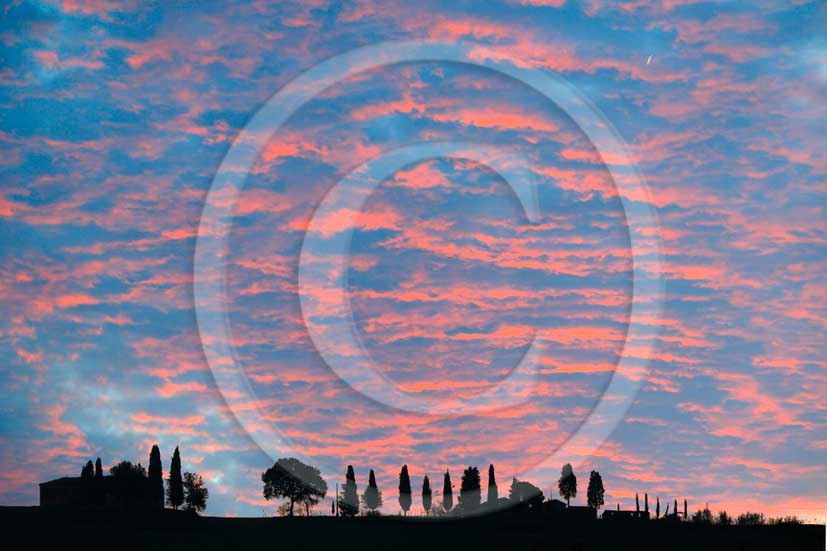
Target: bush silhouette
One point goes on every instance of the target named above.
(525, 494)
(750, 519)
(469, 492)
(703, 516)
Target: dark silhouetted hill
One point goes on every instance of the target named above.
(105, 529)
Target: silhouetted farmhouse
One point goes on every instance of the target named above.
(66, 491)
(74, 491)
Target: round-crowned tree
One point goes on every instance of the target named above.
(294, 481)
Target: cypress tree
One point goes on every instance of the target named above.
(657, 507)
(493, 494)
(646, 502)
(675, 510)
(447, 493)
(349, 503)
(155, 474)
(98, 469)
(637, 503)
(372, 498)
(175, 486)
(405, 498)
(426, 494)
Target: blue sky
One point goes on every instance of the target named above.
(115, 117)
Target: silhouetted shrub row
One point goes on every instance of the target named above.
(704, 516)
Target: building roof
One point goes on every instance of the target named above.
(64, 481)
(67, 481)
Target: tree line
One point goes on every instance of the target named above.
(301, 484)
(133, 485)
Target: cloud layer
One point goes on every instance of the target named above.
(115, 118)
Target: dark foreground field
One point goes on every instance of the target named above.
(36, 528)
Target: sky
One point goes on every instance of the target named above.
(116, 116)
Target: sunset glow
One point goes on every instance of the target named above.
(116, 118)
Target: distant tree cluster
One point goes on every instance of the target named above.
(133, 485)
(705, 516)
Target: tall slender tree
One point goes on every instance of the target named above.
(447, 493)
(675, 509)
(372, 498)
(426, 494)
(493, 494)
(646, 503)
(156, 478)
(349, 502)
(469, 491)
(98, 492)
(684, 508)
(567, 483)
(175, 484)
(657, 507)
(637, 503)
(595, 491)
(405, 498)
